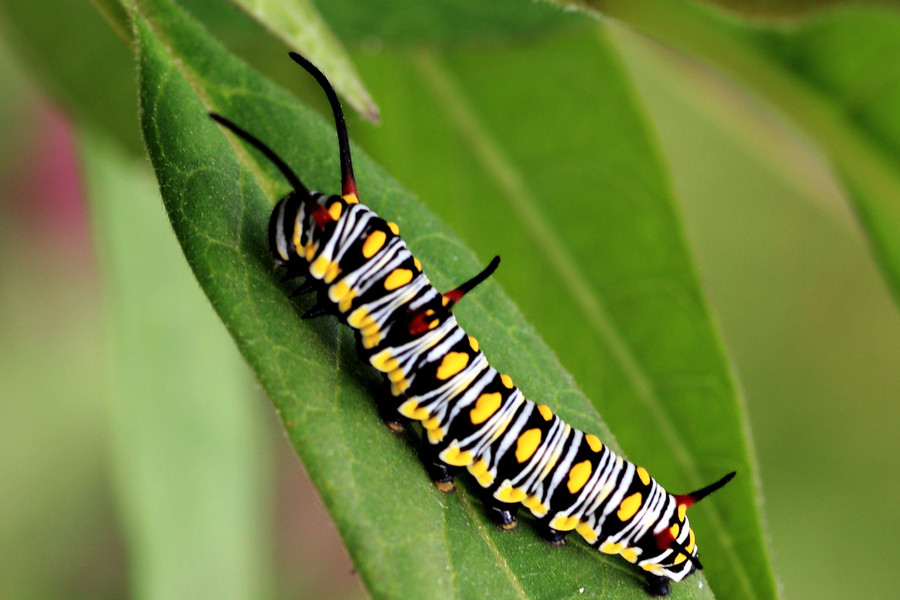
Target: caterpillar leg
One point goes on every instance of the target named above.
(394, 420)
(554, 537)
(387, 409)
(306, 287)
(441, 474)
(657, 585)
(502, 514)
(321, 309)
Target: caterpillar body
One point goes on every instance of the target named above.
(472, 416)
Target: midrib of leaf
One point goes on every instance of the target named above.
(518, 195)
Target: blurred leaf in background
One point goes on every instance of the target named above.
(55, 500)
(555, 140)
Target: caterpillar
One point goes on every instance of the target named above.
(472, 417)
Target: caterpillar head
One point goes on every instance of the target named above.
(300, 202)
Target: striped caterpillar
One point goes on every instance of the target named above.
(472, 417)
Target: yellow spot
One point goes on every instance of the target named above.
(611, 548)
(682, 511)
(587, 532)
(434, 429)
(397, 278)
(351, 199)
(417, 263)
(485, 406)
(629, 554)
(480, 472)
(319, 266)
(485, 480)
(564, 523)
(473, 343)
(359, 318)
(527, 444)
(534, 504)
(332, 272)
(370, 329)
(346, 302)
(384, 362)
(393, 227)
(579, 475)
(311, 249)
(629, 506)
(507, 380)
(691, 540)
(650, 567)
(545, 411)
(338, 291)
(645, 477)
(452, 364)
(335, 210)
(412, 410)
(396, 375)
(674, 530)
(373, 243)
(679, 559)
(371, 340)
(510, 494)
(594, 442)
(478, 468)
(400, 386)
(455, 457)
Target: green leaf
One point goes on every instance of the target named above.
(299, 24)
(219, 194)
(803, 70)
(214, 192)
(183, 413)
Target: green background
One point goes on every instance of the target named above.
(806, 317)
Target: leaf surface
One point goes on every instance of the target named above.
(218, 196)
(645, 323)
